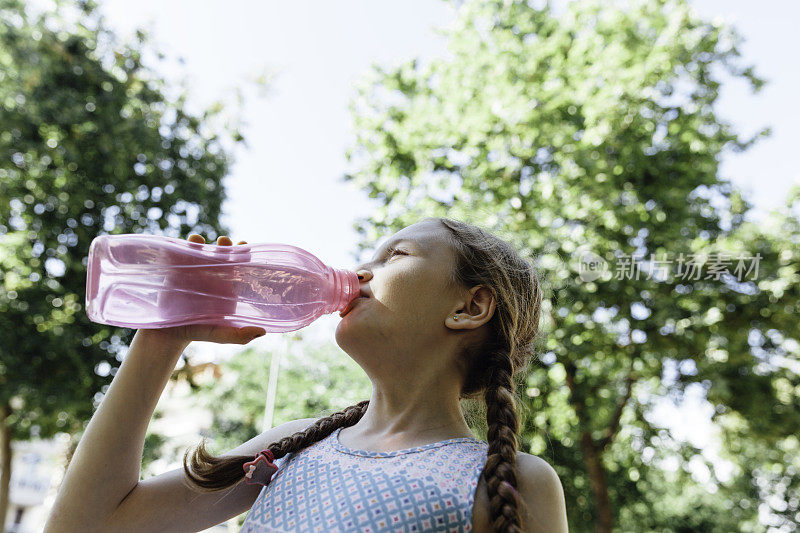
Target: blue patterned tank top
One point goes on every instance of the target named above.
(329, 487)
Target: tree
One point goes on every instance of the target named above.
(91, 144)
(592, 137)
(313, 381)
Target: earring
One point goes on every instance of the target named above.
(455, 317)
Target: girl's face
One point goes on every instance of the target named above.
(407, 316)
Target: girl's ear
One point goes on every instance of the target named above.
(474, 311)
(481, 306)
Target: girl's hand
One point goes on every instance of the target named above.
(209, 333)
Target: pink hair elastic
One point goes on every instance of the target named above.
(259, 471)
(512, 488)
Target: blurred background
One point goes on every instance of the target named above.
(618, 129)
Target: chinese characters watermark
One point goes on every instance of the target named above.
(688, 267)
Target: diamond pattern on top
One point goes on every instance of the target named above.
(329, 487)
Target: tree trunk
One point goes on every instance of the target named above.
(592, 456)
(599, 485)
(5, 452)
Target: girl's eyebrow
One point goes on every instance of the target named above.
(392, 244)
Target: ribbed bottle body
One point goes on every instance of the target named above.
(151, 281)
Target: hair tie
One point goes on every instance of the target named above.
(259, 471)
(512, 489)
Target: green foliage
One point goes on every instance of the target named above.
(152, 450)
(90, 143)
(313, 381)
(596, 131)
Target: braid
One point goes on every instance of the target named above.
(505, 350)
(503, 425)
(209, 473)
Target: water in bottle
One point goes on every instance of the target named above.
(154, 281)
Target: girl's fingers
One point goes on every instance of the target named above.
(222, 240)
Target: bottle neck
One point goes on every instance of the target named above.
(345, 288)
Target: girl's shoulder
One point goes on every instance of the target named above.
(541, 497)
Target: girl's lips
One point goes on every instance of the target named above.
(350, 306)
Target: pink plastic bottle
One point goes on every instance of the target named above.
(153, 281)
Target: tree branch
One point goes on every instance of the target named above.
(614, 426)
(577, 401)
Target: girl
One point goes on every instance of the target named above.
(449, 312)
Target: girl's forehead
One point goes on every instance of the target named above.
(425, 235)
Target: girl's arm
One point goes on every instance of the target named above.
(107, 462)
(106, 465)
(164, 502)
